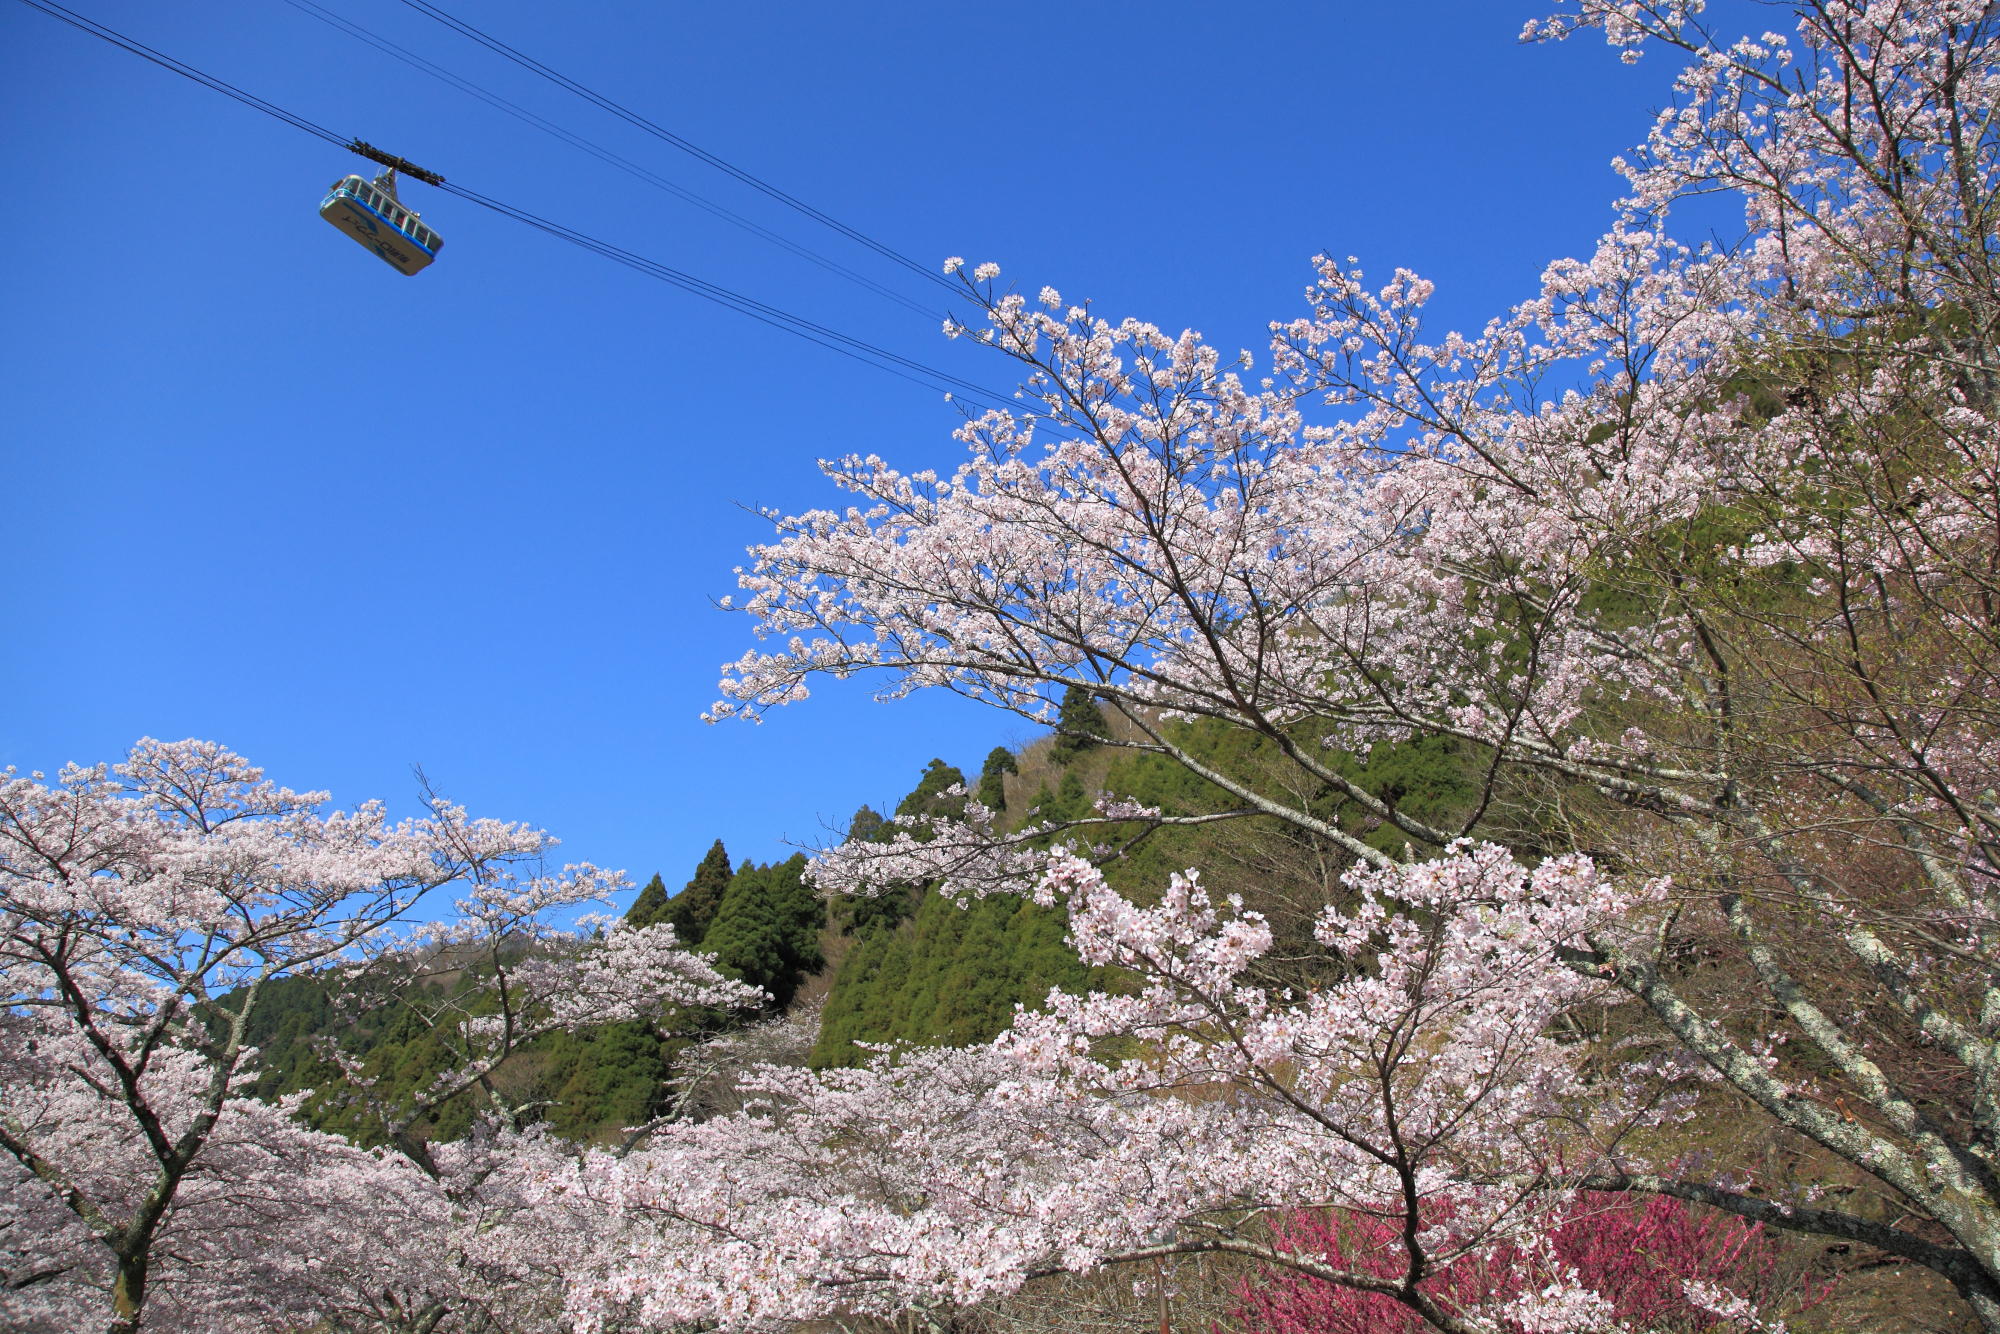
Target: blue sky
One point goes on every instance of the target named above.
(264, 489)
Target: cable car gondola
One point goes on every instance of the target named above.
(369, 212)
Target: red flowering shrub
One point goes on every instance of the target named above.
(1641, 1256)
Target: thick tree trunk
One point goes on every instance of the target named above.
(128, 1294)
(135, 1254)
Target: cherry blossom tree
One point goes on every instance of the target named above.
(954, 1175)
(1693, 552)
(144, 907)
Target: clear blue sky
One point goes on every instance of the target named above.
(263, 489)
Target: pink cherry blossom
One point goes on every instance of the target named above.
(1696, 540)
(143, 908)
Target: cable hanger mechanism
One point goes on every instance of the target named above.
(363, 148)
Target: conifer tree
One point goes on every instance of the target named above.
(854, 1004)
(952, 974)
(885, 910)
(992, 778)
(766, 929)
(693, 909)
(859, 916)
(651, 903)
(928, 798)
(1079, 725)
(1042, 805)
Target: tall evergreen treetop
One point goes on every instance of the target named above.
(927, 798)
(1079, 725)
(857, 916)
(766, 929)
(652, 902)
(992, 792)
(693, 909)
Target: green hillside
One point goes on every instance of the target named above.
(908, 965)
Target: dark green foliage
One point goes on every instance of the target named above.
(926, 969)
(1079, 725)
(858, 915)
(652, 901)
(766, 930)
(587, 1084)
(1071, 801)
(1434, 779)
(850, 1011)
(992, 792)
(402, 1056)
(928, 798)
(693, 910)
(884, 910)
(291, 1012)
(951, 974)
(855, 916)
(601, 1080)
(293, 1020)
(1041, 804)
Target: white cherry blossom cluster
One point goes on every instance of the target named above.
(957, 1175)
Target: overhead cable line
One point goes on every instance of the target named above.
(602, 154)
(757, 310)
(164, 61)
(798, 326)
(498, 47)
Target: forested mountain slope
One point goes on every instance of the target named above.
(905, 966)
